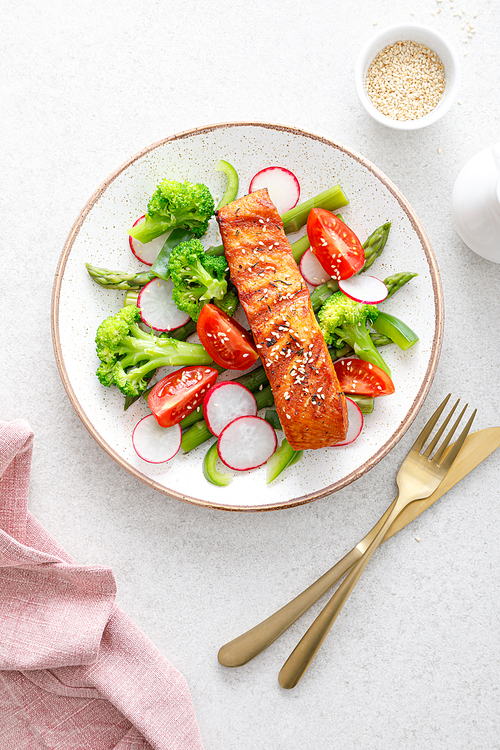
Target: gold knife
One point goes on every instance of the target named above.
(478, 446)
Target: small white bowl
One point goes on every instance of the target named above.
(413, 32)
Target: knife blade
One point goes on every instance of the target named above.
(478, 446)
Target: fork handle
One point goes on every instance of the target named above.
(307, 648)
(246, 646)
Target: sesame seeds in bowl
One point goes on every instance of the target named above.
(407, 76)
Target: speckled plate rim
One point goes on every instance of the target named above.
(412, 412)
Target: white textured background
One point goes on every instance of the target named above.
(413, 661)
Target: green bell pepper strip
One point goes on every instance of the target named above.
(232, 183)
(160, 266)
(395, 329)
(281, 459)
(210, 470)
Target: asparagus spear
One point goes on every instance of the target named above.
(374, 245)
(393, 284)
(119, 279)
(397, 280)
(331, 199)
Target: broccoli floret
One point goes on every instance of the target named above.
(128, 354)
(343, 321)
(198, 278)
(175, 204)
(228, 303)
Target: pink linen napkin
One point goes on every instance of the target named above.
(75, 672)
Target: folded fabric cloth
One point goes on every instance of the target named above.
(76, 672)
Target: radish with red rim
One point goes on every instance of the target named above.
(156, 444)
(246, 443)
(157, 307)
(224, 402)
(146, 252)
(356, 420)
(312, 270)
(282, 185)
(366, 289)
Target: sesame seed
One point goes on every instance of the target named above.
(405, 80)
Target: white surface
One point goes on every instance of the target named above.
(413, 659)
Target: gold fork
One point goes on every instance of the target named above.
(419, 476)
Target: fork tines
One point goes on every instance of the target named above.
(422, 438)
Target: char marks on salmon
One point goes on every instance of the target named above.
(276, 300)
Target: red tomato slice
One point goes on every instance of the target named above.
(363, 378)
(334, 244)
(228, 343)
(177, 394)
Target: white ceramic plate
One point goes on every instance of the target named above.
(99, 237)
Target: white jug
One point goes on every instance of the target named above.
(475, 203)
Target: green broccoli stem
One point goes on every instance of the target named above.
(180, 334)
(198, 433)
(374, 245)
(331, 199)
(119, 279)
(215, 289)
(358, 337)
(151, 227)
(398, 280)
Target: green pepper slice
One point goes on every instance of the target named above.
(281, 459)
(160, 266)
(210, 470)
(395, 329)
(232, 183)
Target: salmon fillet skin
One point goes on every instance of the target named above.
(275, 297)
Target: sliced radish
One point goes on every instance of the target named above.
(157, 307)
(246, 442)
(367, 289)
(355, 416)
(156, 444)
(146, 252)
(282, 185)
(224, 402)
(312, 270)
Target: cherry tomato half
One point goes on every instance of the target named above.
(334, 244)
(228, 343)
(363, 378)
(176, 395)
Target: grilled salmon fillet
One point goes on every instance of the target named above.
(276, 300)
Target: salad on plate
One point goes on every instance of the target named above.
(182, 310)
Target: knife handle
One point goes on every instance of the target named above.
(246, 646)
